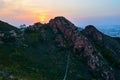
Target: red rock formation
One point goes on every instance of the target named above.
(70, 32)
(80, 42)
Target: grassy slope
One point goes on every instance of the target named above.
(6, 27)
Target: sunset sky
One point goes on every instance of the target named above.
(80, 12)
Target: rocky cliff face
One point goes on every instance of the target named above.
(71, 33)
(81, 43)
(103, 41)
(93, 32)
(109, 47)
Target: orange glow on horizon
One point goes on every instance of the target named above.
(42, 18)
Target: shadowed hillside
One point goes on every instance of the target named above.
(6, 27)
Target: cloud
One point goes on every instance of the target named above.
(22, 11)
(2, 4)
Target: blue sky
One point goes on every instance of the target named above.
(80, 12)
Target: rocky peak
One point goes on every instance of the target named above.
(71, 33)
(92, 32)
(37, 25)
(80, 43)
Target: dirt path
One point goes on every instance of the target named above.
(67, 66)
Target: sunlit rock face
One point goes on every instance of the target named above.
(71, 32)
(81, 43)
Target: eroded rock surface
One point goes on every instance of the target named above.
(82, 44)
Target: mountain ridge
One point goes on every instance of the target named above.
(89, 51)
(4, 26)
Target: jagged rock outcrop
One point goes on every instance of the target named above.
(37, 25)
(70, 32)
(92, 32)
(102, 41)
(81, 43)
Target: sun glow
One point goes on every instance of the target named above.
(42, 18)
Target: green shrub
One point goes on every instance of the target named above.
(95, 74)
(106, 54)
(30, 30)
